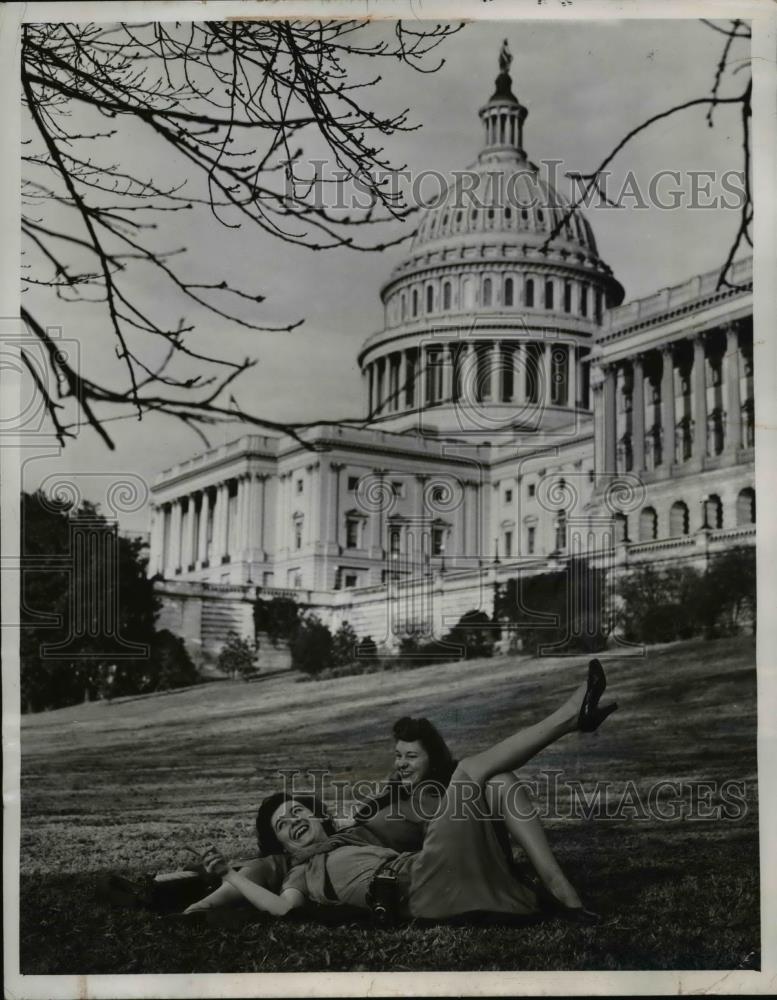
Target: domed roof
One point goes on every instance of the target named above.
(504, 194)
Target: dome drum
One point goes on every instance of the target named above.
(503, 278)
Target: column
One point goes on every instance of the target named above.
(468, 378)
(519, 372)
(546, 393)
(204, 515)
(334, 533)
(572, 378)
(191, 537)
(668, 420)
(699, 399)
(609, 419)
(494, 372)
(175, 537)
(733, 400)
(406, 380)
(377, 516)
(638, 415)
(447, 373)
(157, 539)
(221, 524)
(421, 378)
(314, 504)
(597, 391)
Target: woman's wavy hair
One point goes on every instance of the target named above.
(265, 835)
(442, 763)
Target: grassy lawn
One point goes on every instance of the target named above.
(124, 786)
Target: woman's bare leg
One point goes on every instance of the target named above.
(524, 826)
(519, 748)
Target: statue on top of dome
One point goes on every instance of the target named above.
(505, 57)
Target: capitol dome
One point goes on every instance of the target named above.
(500, 295)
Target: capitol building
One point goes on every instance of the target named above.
(517, 413)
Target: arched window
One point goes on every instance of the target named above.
(548, 294)
(584, 300)
(508, 291)
(429, 298)
(714, 511)
(402, 306)
(678, 519)
(446, 295)
(567, 296)
(746, 506)
(487, 293)
(415, 301)
(529, 292)
(648, 524)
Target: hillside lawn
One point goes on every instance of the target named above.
(124, 786)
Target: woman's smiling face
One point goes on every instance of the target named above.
(411, 762)
(296, 826)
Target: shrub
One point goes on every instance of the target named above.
(170, 665)
(566, 610)
(678, 602)
(475, 634)
(345, 646)
(278, 618)
(237, 657)
(312, 646)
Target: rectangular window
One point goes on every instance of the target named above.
(352, 534)
(300, 486)
(508, 496)
(353, 483)
(548, 294)
(531, 533)
(351, 580)
(532, 490)
(438, 541)
(508, 544)
(567, 296)
(398, 488)
(297, 534)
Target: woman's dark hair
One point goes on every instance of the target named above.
(441, 762)
(265, 835)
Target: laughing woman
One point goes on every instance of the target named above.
(461, 867)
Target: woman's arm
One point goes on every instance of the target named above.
(263, 899)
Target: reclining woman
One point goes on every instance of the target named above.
(397, 816)
(460, 868)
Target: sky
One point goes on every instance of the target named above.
(585, 85)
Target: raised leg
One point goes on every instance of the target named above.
(519, 748)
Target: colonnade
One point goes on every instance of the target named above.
(689, 400)
(210, 526)
(547, 372)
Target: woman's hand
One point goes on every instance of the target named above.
(214, 862)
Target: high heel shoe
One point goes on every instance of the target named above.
(591, 716)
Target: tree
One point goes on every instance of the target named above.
(232, 101)
(475, 633)
(174, 666)
(237, 657)
(278, 618)
(345, 646)
(311, 647)
(83, 627)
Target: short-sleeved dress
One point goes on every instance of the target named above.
(461, 867)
